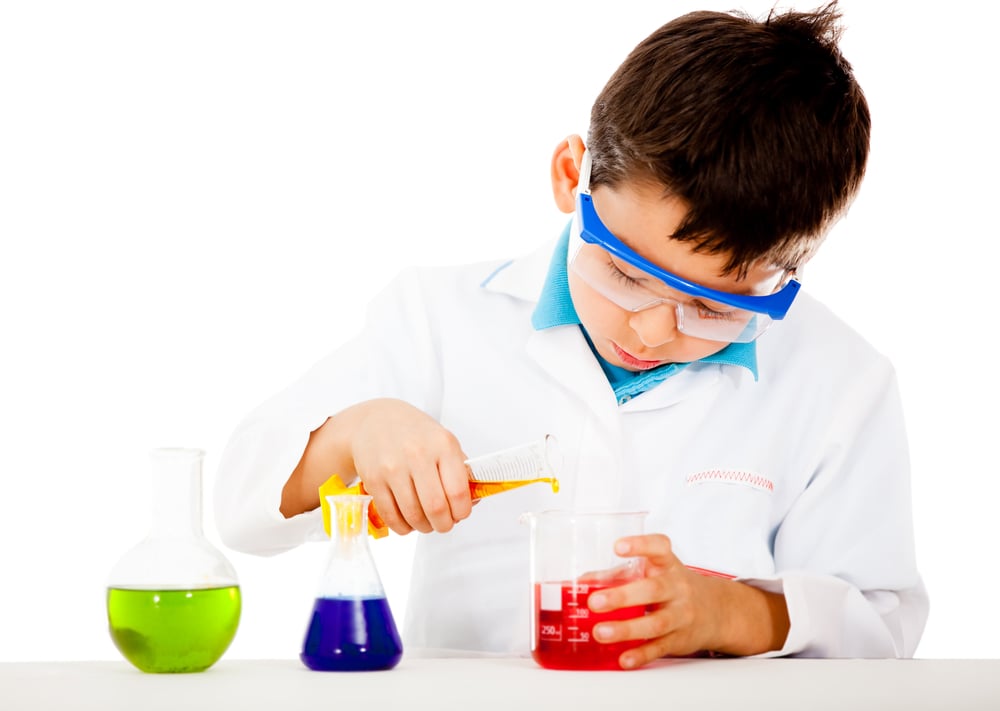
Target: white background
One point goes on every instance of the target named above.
(198, 198)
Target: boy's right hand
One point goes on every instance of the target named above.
(413, 467)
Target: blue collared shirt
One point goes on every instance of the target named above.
(555, 308)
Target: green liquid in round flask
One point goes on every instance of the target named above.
(173, 601)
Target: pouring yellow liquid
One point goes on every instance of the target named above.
(376, 526)
(482, 489)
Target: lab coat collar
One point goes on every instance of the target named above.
(564, 354)
(562, 351)
(696, 378)
(523, 277)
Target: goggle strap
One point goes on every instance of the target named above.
(583, 184)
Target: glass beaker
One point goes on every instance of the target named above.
(572, 556)
(351, 628)
(173, 600)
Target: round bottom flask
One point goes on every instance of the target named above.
(351, 628)
(173, 600)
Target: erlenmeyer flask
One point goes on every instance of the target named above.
(352, 628)
(173, 600)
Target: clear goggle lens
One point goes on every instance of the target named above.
(695, 317)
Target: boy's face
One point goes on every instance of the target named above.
(643, 219)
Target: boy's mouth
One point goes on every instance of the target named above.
(631, 361)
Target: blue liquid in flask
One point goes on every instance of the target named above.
(351, 634)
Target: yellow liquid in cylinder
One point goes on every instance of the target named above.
(481, 489)
(377, 527)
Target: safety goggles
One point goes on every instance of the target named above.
(700, 312)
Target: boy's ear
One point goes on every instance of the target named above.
(566, 163)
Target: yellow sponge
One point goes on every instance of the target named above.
(334, 486)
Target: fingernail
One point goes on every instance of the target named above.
(628, 662)
(622, 548)
(602, 632)
(597, 600)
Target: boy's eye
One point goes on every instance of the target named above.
(710, 314)
(704, 311)
(621, 276)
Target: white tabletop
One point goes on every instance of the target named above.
(511, 683)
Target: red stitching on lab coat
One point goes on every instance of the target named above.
(735, 477)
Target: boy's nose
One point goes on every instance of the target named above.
(655, 326)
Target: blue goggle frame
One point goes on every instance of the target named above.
(593, 231)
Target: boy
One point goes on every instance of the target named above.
(771, 456)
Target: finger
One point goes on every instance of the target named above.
(399, 481)
(655, 547)
(617, 575)
(661, 622)
(388, 511)
(640, 592)
(432, 512)
(455, 482)
(672, 645)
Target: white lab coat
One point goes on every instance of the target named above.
(796, 483)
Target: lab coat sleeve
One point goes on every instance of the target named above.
(394, 356)
(844, 553)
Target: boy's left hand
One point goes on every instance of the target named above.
(687, 612)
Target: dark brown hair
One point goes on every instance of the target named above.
(759, 126)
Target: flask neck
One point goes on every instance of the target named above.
(176, 494)
(350, 570)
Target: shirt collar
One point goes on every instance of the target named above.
(555, 306)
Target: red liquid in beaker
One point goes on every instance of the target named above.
(563, 630)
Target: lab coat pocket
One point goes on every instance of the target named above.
(723, 521)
